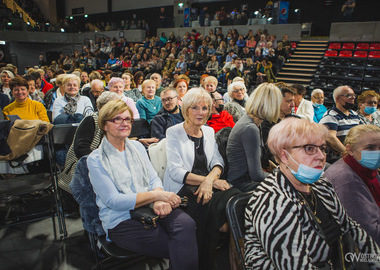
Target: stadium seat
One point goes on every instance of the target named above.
(331, 53)
(362, 46)
(375, 46)
(328, 61)
(345, 54)
(293, 45)
(362, 54)
(348, 46)
(335, 46)
(374, 54)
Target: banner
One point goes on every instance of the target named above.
(284, 12)
(186, 16)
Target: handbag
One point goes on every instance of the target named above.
(148, 217)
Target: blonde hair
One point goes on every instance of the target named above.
(146, 83)
(70, 77)
(212, 80)
(294, 131)
(265, 102)
(59, 79)
(194, 96)
(356, 133)
(110, 110)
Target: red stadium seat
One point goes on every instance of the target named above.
(331, 53)
(348, 46)
(335, 46)
(345, 54)
(362, 46)
(362, 54)
(375, 46)
(294, 45)
(374, 54)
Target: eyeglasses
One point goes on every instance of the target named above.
(319, 98)
(119, 120)
(311, 149)
(169, 99)
(371, 102)
(216, 99)
(238, 90)
(203, 109)
(348, 96)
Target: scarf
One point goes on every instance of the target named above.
(128, 178)
(368, 176)
(71, 106)
(241, 102)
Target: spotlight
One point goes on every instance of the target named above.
(296, 10)
(270, 19)
(10, 24)
(71, 17)
(28, 23)
(256, 12)
(62, 30)
(180, 5)
(86, 16)
(47, 24)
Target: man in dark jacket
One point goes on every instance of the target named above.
(169, 115)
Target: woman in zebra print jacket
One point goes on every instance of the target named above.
(294, 218)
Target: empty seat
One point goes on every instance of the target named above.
(331, 53)
(323, 72)
(345, 54)
(375, 46)
(339, 72)
(362, 54)
(372, 75)
(348, 46)
(355, 73)
(374, 54)
(359, 63)
(328, 61)
(362, 46)
(335, 46)
(343, 62)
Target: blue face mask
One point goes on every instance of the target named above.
(370, 159)
(305, 174)
(317, 105)
(370, 109)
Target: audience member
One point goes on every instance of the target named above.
(130, 90)
(356, 179)
(237, 100)
(219, 118)
(95, 90)
(6, 77)
(169, 115)
(23, 106)
(296, 208)
(181, 86)
(304, 108)
(210, 84)
(149, 105)
(367, 104)
(245, 141)
(318, 97)
(33, 93)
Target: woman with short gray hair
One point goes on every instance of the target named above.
(318, 97)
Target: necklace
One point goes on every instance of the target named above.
(314, 203)
(197, 141)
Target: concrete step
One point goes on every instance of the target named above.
(312, 70)
(310, 61)
(295, 80)
(294, 74)
(306, 56)
(319, 41)
(309, 52)
(300, 65)
(302, 48)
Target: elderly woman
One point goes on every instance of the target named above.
(245, 143)
(130, 89)
(5, 78)
(181, 86)
(210, 84)
(149, 105)
(117, 85)
(194, 166)
(317, 97)
(23, 106)
(367, 103)
(71, 107)
(294, 219)
(123, 180)
(238, 96)
(356, 179)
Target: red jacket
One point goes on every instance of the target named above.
(45, 86)
(222, 120)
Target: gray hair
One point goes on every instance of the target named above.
(194, 96)
(338, 91)
(97, 82)
(317, 91)
(233, 85)
(106, 97)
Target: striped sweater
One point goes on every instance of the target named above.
(279, 232)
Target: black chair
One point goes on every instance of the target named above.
(140, 129)
(33, 196)
(235, 215)
(104, 251)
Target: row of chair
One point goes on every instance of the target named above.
(356, 54)
(329, 84)
(349, 74)
(352, 46)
